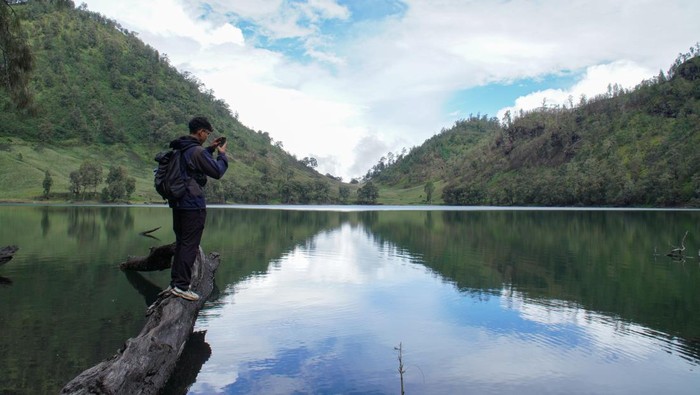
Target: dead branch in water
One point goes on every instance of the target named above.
(679, 252)
(401, 368)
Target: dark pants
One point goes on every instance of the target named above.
(188, 226)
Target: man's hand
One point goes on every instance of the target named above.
(220, 145)
(222, 148)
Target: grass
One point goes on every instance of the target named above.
(409, 196)
(24, 164)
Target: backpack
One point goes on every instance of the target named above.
(170, 177)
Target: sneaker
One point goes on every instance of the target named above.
(166, 291)
(189, 295)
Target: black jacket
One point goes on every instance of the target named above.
(200, 164)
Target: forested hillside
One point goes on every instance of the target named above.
(100, 103)
(102, 99)
(622, 148)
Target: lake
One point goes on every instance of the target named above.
(317, 300)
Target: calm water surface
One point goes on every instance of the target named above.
(317, 301)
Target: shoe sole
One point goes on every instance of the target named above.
(183, 296)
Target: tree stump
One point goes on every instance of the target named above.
(159, 258)
(144, 364)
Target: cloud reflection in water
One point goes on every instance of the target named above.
(326, 317)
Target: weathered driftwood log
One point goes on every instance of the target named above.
(6, 253)
(159, 258)
(144, 364)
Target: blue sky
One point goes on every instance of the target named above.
(490, 98)
(348, 81)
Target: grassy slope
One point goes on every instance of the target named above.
(561, 157)
(414, 195)
(149, 104)
(24, 166)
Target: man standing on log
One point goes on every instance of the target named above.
(189, 212)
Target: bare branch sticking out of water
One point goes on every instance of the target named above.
(401, 368)
(678, 253)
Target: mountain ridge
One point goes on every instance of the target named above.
(102, 95)
(623, 148)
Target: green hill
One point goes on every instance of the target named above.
(103, 96)
(622, 148)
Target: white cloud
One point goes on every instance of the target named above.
(595, 81)
(343, 295)
(366, 150)
(390, 78)
(224, 34)
(167, 18)
(322, 9)
(281, 19)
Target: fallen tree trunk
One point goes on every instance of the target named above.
(6, 253)
(144, 364)
(159, 258)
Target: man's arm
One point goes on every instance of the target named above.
(214, 168)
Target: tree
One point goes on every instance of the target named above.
(309, 162)
(293, 191)
(119, 185)
(46, 129)
(344, 193)
(75, 183)
(368, 194)
(90, 175)
(130, 186)
(113, 192)
(320, 192)
(429, 188)
(48, 182)
(77, 122)
(17, 61)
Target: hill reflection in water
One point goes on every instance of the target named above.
(315, 301)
